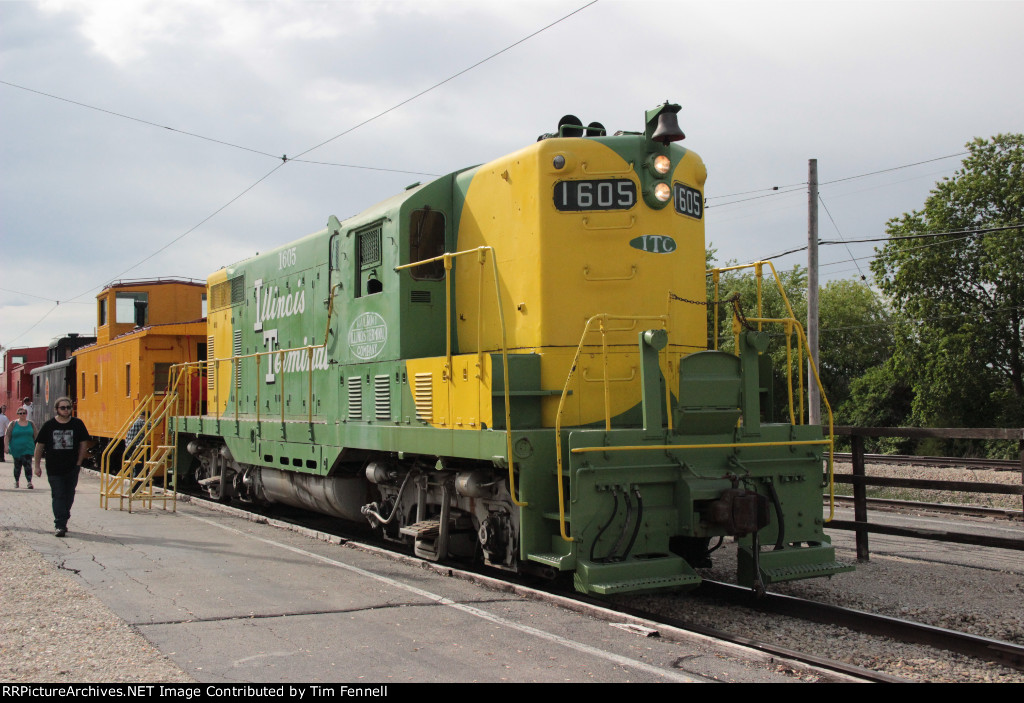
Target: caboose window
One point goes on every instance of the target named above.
(132, 308)
(102, 314)
(161, 376)
(426, 241)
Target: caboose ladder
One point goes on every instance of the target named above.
(148, 460)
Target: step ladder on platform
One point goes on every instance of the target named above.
(146, 471)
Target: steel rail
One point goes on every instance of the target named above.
(994, 464)
(830, 665)
(982, 648)
(362, 537)
(987, 649)
(951, 508)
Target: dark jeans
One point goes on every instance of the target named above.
(62, 492)
(23, 462)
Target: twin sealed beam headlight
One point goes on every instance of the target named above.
(659, 165)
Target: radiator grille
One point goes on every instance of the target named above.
(237, 289)
(211, 367)
(355, 398)
(382, 396)
(227, 293)
(423, 396)
(237, 351)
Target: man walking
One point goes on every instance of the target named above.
(65, 442)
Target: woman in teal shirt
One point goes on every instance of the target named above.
(20, 443)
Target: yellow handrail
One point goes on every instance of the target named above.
(106, 483)
(814, 368)
(790, 323)
(447, 259)
(145, 449)
(602, 318)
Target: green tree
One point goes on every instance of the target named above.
(962, 293)
(855, 335)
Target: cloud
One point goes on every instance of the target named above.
(764, 87)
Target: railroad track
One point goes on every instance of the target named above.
(843, 669)
(948, 508)
(993, 464)
(996, 651)
(529, 587)
(981, 648)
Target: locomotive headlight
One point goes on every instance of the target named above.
(662, 164)
(662, 192)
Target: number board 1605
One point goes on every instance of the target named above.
(604, 194)
(688, 201)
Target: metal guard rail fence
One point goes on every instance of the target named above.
(860, 481)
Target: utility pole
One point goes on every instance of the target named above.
(813, 395)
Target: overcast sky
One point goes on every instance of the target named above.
(87, 195)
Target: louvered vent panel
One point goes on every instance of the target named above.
(237, 351)
(211, 367)
(220, 296)
(423, 396)
(420, 296)
(237, 289)
(355, 398)
(382, 396)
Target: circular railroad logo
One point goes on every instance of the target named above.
(367, 335)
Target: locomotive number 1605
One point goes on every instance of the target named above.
(606, 194)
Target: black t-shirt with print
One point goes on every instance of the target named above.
(61, 440)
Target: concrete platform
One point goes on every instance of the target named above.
(235, 601)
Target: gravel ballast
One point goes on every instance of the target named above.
(959, 587)
(83, 641)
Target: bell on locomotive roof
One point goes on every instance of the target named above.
(663, 125)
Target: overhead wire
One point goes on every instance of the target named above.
(832, 219)
(186, 133)
(894, 168)
(283, 159)
(974, 231)
(137, 119)
(446, 80)
(797, 187)
(56, 305)
(183, 234)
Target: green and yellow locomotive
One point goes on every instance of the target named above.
(507, 363)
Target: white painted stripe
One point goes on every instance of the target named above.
(470, 610)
